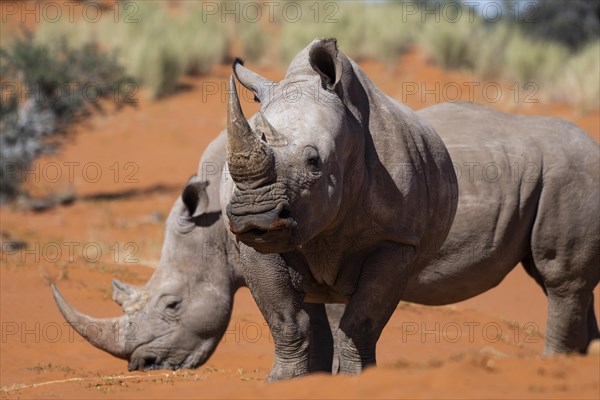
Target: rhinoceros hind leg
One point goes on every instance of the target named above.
(568, 326)
(566, 314)
(565, 248)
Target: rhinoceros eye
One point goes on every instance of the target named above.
(311, 157)
(172, 305)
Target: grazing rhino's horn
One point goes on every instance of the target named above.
(250, 160)
(259, 85)
(105, 334)
(123, 292)
(264, 128)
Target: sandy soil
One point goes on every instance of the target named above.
(487, 347)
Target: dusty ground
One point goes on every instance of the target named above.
(487, 347)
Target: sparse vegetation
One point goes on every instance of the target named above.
(254, 40)
(453, 44)
(46, 88)
(201, 43)
(518, 51)
(521, 52)
(167, 42)
(174, 44)
(571, 23)
(378, 31)
(156, 48)
(579, 81)
(529, 60)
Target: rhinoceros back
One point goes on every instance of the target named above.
(515, 174)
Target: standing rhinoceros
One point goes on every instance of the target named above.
(178, 318)
(338, 193)
(321, 198)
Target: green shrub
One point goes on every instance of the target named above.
(46, 100)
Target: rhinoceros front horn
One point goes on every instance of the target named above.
(250, 160)
(106, 334)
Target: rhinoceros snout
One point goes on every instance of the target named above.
(267, 231)
(277, 218)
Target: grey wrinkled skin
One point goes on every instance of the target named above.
(537, 203)
(177, 319)
(336, 219)
(346, 196)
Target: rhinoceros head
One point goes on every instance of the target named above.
(292, 168)
(177, 319)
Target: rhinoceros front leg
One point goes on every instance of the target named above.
(382, 281)
(284, 310)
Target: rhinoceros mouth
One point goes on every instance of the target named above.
(274, 219)
(145, 358)
(267, 232)
(149, 361)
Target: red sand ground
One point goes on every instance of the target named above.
(468, 350)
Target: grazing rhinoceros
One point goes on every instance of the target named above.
(178, 318)
(339, 193)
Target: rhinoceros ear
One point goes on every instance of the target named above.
(195, 198)
(323, 58)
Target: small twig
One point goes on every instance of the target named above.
(117, 377)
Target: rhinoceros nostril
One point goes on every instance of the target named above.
(256, 232)
(285, 213)
(149, 363)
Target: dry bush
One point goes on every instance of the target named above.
(578, 82)
(158, 48)
(254, 40)
(453, 44)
